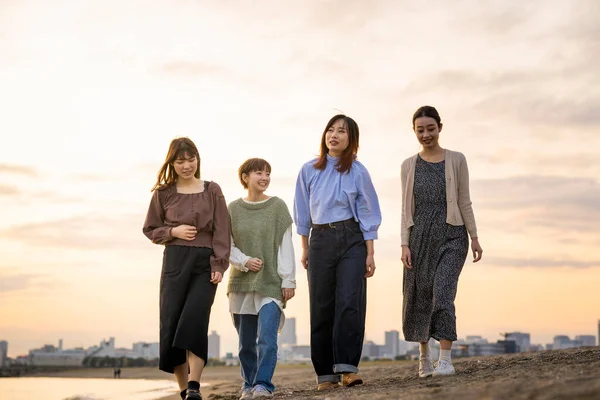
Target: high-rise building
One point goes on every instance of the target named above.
(561, 342)
(214, 345)
(392, 344)
(599, 332)
(586, 340)
(288, 333)
(3, 353)
(371, 349)
(523, 340)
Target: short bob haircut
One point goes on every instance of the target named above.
(252, 165)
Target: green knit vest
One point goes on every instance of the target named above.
(258, 230)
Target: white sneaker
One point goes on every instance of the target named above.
(444, 367)
(261, 391)
(425, 367)
(246, 394)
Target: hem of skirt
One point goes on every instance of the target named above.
(438, 338)
(168, 370)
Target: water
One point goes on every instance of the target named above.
(85, 389)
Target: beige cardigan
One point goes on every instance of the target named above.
(458, 199)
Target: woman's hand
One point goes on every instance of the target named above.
(216, 277)
(477, 250)
(254, 264)
(406, 257)
(304, 258)
(185, 232)
(370, 266)
(288, 293)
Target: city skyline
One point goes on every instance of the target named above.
(522, 339)
(93, 93)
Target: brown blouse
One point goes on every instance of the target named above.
(206, 211)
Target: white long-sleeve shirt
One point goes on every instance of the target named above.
(252, 302)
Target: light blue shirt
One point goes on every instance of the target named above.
(324, 196)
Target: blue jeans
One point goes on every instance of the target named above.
(338, 299)
(258, 345)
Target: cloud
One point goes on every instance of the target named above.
(14, 283)
(17, 282)
(17, 170)
(183, 67)
(552, 192)
(82, 232)
(548, 96)
(541, 262)
(14, 195)
(9, 191)
(560, 206)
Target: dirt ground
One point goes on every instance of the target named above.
(562, 374)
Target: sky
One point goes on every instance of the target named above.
(93, 92)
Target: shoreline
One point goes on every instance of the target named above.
(508, 376)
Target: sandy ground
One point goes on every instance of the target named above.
(564, 374)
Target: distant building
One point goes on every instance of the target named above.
(371, 350)
(537, 347)
(303, 351)
(107, 349)
(562, 342)
(391, 348)
(148, 351)
(49, 355)
(288, 333)
(523, 340)
(475, 340)
(478, 347)
(3, 353)
(214, 345)
(231, 360)
(586, 340)
(599, 332)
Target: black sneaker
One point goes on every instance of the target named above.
(193, 394)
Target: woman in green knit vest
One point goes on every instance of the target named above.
(263, 276)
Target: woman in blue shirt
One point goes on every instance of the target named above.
(336, 203)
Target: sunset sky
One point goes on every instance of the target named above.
(91, 94)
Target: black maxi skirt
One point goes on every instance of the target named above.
(186, 297)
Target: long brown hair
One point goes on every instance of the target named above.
(349, 154)
(179, 148)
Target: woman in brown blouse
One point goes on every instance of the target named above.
(189, 216)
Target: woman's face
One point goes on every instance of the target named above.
(258, 181)
(427, 131)
(186, 166)
(336, 138)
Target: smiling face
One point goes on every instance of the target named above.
(427, 131)
(336, 138)
(255, 175)
(186, 166)
(257, 181)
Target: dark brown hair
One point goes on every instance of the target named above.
(179, 148)
(427, 111)
(253, 165)
(345, 162)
